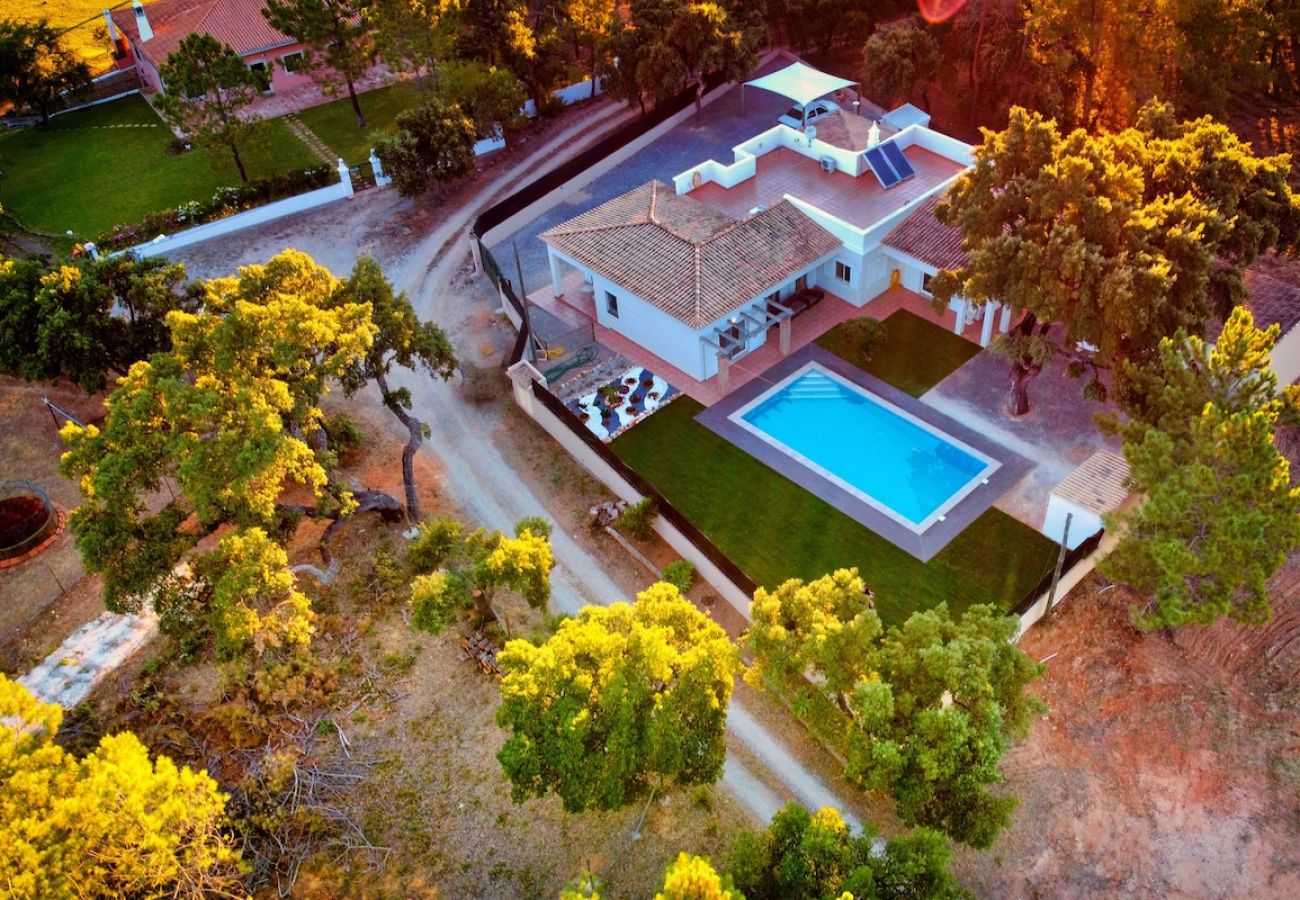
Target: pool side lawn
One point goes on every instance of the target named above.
(107, 165)
(897, 361)
(336, 124)
(773, 529)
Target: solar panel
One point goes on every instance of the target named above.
(882, 169)
(897, 160)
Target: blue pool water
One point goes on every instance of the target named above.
(867, 446)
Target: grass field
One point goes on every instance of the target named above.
(89, 170)
(336, 125)
(773, 529)
(89, 39)
(897, 360)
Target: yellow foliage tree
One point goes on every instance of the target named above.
(113, 824)
(694, 878)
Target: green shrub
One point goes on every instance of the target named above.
(536, 524)
(436, 598)
(343, 433)
(434, 545)
(680, 573)
(225, 202)
(637, 520)
(866, 334)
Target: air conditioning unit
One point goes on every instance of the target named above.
(828, 164)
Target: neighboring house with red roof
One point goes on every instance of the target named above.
(153, 31)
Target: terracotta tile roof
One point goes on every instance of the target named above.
(239, 23)
(923, 237)
(686, 258)
(1272, 301)
(846, 131)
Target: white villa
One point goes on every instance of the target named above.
(702, 271)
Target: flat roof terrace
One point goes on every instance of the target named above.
(860, 201)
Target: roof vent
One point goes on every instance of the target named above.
(756, 210)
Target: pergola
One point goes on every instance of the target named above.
(801, 83)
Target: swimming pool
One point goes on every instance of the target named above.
(881, 454)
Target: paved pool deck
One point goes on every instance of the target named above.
(923, 545)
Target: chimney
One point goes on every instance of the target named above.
(873, 135)
(142, 21)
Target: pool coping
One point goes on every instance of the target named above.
(922, 545)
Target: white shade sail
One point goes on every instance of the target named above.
(802, 84)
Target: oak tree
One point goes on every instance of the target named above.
(36, 67)
(927, 710)
(434, 144)
(620, 701)
(401, 339)
(897, 58)
(87, 318)
(1110, 242)
(221, 422)
(816, 855)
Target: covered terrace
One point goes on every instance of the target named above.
(577, 306)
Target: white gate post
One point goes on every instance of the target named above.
(381, 180)
(345, 176)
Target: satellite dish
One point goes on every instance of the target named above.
(810, 132)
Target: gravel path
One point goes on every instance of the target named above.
(478, 477)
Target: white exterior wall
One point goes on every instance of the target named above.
(1286, 357)
(1083, 526)
(670, 339)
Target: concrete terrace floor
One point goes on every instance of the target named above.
(722, 126)
(1057, 434)
(859, 201)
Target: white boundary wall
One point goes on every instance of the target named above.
(247, 219)
(568, 95)
(522, 375)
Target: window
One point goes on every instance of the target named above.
(611, 304)
(262, 74)
(925, 283)
(294, 62)
(842, 272)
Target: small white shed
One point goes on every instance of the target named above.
(906, 115)
(1097, 487)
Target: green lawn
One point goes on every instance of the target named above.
(336, 125)
(79, 172)
(773, 529)
(916, 355)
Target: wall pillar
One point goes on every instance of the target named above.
(522, 375)
(345, 176)
(784, 330)
(961, 317)
(724, 372)
(557, 273)
(381, 180)
(986, 333)
(1005, 325)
